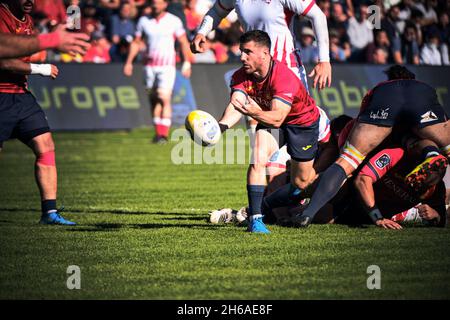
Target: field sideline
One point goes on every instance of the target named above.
(143, 234)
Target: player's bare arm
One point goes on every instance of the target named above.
(14, 46)
(186, 69)
(322, 70)
(231, 116)
(273, 118)
(364, 186)
(210, 22)
(134, 50)
(20, 67)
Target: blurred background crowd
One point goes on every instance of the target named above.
(406, 31)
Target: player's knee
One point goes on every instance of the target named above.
(46, 158)
(302, 182)
(258, 167)
(352, 156)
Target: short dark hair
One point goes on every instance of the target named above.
(257, 36)
(397, 72)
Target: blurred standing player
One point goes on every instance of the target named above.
(161, 30)
(400, 101)
(269, 92)
(20, 115)
(275, 18)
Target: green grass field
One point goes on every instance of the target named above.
(143, 234)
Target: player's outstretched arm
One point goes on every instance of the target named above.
(322, 71)
(231, 116)
(209, 23)
(15, 46)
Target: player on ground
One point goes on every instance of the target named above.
(20, 115)
(387, 199)
(160, 29)
(15, 46)
(275, 18)
(269, 92)
(400, 101)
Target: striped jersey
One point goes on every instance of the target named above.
(161, 34)
(275, 18)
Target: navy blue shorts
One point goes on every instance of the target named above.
(302, 141)
(402, 102)
(21, 117)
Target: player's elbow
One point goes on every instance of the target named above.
(276, 124)
(361, 181)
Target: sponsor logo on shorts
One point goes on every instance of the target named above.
(307, 147)
(382, 114)
(383, 161)
(428, 117)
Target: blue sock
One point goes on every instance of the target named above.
(282, 197)
(255, 195)
(329, 185)
(48, 205)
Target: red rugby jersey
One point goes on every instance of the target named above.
(282, 84)
(12, 82)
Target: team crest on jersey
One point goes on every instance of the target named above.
(383, 161)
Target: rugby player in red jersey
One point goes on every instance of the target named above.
(21, 116)
(269, 92)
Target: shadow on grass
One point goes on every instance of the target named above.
(113, 211)
(106, 227)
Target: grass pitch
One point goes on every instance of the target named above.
(143, 234)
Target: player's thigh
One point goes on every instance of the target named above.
(165, 80)
(439, 133)
(364, 137)
(150, 78)
(265, 146)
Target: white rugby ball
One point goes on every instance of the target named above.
(203, 127)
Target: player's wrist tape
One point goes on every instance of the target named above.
(42, 69)
(223, 127)
(48, 40)
(185, 66)
(375, 214)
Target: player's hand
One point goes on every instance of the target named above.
(321, 74)
(71, 42)
(388, 224)
(427, 213)
(197, 43)
(186, 69)
(128, 69)
(248, 108)
(54, 72)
